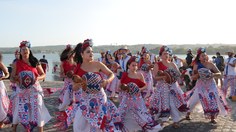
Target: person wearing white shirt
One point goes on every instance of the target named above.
(102, 56)
(123, 62)
(230, 75)
(178, 61)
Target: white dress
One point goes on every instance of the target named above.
(4, 102)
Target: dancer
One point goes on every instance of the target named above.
(67, 67)
(29, 110)
(167, 98)
(146, 67)
(132, 107)
(205, 89)
(95, 112)
(4, 100)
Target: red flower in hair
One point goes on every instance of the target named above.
(87, 43)
(25, 44)
(165, 48)
(201, 50)
(132, 59)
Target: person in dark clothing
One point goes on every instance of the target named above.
(189, 57)
(44, 64)
(219, 62)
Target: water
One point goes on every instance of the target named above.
(54, 57)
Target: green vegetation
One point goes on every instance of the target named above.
(177, 49)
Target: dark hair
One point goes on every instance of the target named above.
(65, 53)
(32, 60)
(78, 58)
(217, 53)
(132, 59)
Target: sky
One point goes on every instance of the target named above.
(61, 22)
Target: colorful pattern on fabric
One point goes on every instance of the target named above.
(204, 73)
(28, 108)
(160, 100)
(229, 81)
(163, 94)
(174, 75)
(66, 90)
(208, 95)
(93, 82)
(27, 79)
(96, 109)
(133, 88)
(11, 108)
(145, 67)
(4, 100)
(136, 105)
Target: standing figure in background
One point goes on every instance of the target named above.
(102, 56)
(44, 64)
(219, 61)
(230, 75)
(29, 109)
(189, 57)
(123, 62)
(4, 100)
(67, 70)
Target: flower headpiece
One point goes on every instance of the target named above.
(87, 43)
(201, 50)
(16, 52)
(25, 43)
(133, 59)
(165, 48)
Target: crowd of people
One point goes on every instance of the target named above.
(150, 88)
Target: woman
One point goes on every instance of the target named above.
(4, 100)
(145, 68)
(95, 112)
(29, 109)
(205, 89)
(66, 118)
(67, 67)
(13, 88)
(167, 98)
(132, 107)
(112, 88)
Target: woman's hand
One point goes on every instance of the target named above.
(69, 74)
(124, 87)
